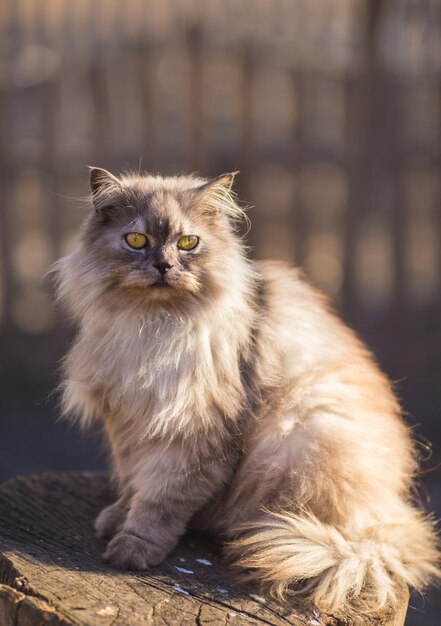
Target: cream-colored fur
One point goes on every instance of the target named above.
(235, 400)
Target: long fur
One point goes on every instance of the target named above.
(337, 567)
(235, 400)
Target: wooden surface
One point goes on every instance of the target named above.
(51, 571)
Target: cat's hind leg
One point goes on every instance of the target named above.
(320, 507)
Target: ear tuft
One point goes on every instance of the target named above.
(100, 178)
(219, 196)
(103, 185)
(224, 180)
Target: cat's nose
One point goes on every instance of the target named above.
(162, 267)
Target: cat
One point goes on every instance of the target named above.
(235, 401)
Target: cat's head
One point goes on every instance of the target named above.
(158, 240)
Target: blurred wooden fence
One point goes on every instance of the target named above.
(330, 109)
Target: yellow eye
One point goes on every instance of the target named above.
(136, 240)
(188, 242)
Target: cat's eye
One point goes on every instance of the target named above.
(188, 242)
(136, 240)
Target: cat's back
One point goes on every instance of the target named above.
(297, 325)
(288, 298)
(284, 283)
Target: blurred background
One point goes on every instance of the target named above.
(330, 109)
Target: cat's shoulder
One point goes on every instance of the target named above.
(275, 269)
(284, 280)
(279, 274)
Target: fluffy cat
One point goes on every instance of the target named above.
(234, 400)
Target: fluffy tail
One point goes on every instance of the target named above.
(334, 570)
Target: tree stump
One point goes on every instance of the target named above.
(51, 571)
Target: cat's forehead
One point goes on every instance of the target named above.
(163, 206)
(162, 203)
(163, 195)
(163, 213)
(160, 209)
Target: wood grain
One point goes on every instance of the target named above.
(51, 571)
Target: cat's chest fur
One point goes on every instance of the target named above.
(160, 372)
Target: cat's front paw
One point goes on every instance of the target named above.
(109, 520)
(127, 551)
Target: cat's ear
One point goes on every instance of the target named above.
(104, 186)
(224, 182)
(217, 196)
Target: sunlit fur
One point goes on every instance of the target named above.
(235, 400)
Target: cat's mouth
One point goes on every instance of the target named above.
(161, 283)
